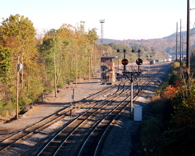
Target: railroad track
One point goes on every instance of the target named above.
(87, 129)
(89, 142)
(46, 122)
(94, 116)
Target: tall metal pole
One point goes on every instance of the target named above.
(182, 47)
(131, 98)
(102, 32)
(124, 51)
(188, 40)
(118, 65)
(176, 39)
(102, 21)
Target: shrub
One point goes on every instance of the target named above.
(176, 65)
(151, 136)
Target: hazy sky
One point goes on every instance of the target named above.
(124, 19)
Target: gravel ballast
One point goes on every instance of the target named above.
(124, 137)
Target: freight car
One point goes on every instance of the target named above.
(156, 61)
(152, 62)
(159, 61)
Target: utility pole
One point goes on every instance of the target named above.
(55, 87)
(22, 59)
(17, 89)
(18, 69)
(176, 39)
(76, 71)
(89, 73)
(94, 59)
(188, 40)
(180, 42)
(182, 46)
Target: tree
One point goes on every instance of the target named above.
(18, 34)
(5, 64)
(51, 46)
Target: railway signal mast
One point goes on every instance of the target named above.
(131, 74)
(102, 21)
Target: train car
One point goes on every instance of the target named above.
(152, 62)
(159, 61)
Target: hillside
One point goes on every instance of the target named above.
(166, 44)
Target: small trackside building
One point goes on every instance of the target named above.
(107, 69)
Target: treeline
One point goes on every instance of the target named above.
(59, 57)
(167, 45)
(146, 53)
(51, 61)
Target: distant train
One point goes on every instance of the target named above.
(160, 61)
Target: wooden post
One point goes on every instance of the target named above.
(76, 71)
(17, 86)
(55, 87)
(22, 73)
(89, 69)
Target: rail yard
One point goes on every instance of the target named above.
(85, 126)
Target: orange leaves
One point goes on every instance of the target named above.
(11, 42)
(169, 92)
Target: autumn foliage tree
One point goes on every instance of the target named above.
(174, 121)
(66, 53)
(72, 47)
(17, 38)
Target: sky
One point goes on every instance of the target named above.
(124, 19)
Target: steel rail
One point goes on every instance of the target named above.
(44, 123)
(103, 136)
(62, 143)
(93, 109)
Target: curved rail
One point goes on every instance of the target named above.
(66, 132)
(44, 123)
(88, 115)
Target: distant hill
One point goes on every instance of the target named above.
(183, 34)
(167, 44)
(109, 41)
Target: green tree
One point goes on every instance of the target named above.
(5, 64)
(51, 52)
(6, 76)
